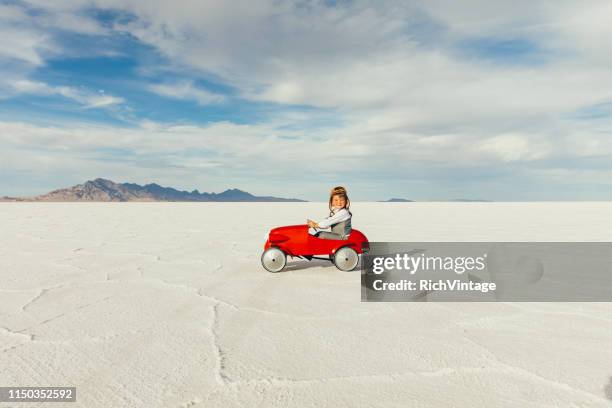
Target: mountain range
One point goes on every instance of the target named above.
(397, 200)
(107, 190)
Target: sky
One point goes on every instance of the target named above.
(436, 100)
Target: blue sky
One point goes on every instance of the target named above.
(392, 99)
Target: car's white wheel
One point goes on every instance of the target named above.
(273, 259)
(346, 259)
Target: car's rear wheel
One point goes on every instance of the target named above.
(273, 259)
(346, 259)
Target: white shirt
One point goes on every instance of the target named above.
(338, 215)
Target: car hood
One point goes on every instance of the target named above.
(288, 229)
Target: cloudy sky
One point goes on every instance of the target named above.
(432, 100)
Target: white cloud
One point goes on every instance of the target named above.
(228, 152)
(28, 40)
(186, 90)
(86, 98)
(28, 37)
(512, 147)
(27, 46)
(12, 13)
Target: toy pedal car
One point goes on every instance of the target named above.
(295, 241)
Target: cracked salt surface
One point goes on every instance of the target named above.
(161, 305)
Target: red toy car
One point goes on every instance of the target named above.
(295, 241)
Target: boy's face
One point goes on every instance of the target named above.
(338, 201)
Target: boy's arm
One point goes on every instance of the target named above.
(340, 216)
(312, 224)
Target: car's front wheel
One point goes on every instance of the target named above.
(273, 259)
(346, 259)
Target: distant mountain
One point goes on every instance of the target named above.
(397, 200)
(456, 200)
(107, 190)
